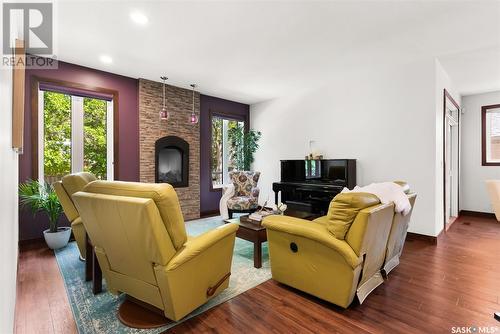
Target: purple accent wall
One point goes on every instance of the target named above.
(128, 150)
(210, 198)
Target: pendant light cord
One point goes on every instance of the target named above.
(164, 78)
(193, 85)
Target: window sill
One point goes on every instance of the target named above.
(217, 188)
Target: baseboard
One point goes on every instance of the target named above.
(28, 242)
(422, 237)
(449, 224)
(211, 213)
(23, 244)
(477, 214)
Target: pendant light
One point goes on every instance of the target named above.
(193, 118)
(164, 115)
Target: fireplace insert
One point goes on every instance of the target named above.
(172, 161)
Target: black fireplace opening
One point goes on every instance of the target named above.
(172, 161)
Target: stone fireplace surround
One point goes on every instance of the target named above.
(151, 128)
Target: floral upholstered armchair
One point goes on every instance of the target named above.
(241, 195)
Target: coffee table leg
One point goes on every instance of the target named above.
(96, 275)
(257, 254)
(88, 258)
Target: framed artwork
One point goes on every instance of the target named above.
(18, 78)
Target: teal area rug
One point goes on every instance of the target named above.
(97, 313)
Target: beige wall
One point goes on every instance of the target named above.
(473, 193)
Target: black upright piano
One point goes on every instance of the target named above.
(310, 185)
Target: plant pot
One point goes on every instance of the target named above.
(59, 239)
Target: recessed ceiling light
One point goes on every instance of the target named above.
(106, 59)
(139, 18)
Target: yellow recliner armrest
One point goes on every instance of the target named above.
(196, 245)
(313, 231)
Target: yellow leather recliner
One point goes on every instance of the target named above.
(334, 257)
(69, 185)
(140, 240)
(493, 187)
(398, 233)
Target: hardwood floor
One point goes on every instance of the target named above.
(435, 288)
(42, 305)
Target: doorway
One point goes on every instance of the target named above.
(451, 159)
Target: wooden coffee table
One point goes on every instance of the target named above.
(256, 233)
(253, 232)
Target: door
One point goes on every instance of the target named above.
(451, 175)
(451, 138)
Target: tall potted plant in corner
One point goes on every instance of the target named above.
(42, 198)
(244, 145)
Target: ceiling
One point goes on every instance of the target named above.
(256, 51)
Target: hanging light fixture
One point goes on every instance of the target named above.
(194, 118)
(164, 112)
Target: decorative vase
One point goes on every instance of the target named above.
(59, 239)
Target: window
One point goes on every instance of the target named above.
(224, 155)
(491, 135)
(77, 136)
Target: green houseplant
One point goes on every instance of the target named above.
(42, 198)
(244, 144)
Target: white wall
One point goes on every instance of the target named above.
(382, 116)
(8, 206)
(473, 194)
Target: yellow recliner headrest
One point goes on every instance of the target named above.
(343, 210)
(162, 194)
(73, 183)
(69, 185)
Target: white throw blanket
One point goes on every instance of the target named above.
(227, 193)
(386, 192)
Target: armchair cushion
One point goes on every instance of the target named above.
(343, 210)
(245, 182)
(242, 203)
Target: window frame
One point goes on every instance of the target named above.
(225, 115)
(484, 111)
(35, 133)
(77, 135)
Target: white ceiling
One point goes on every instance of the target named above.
(255, 51)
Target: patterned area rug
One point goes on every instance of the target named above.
(97, 314)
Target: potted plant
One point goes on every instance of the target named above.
(42, 198)
(244, 145)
